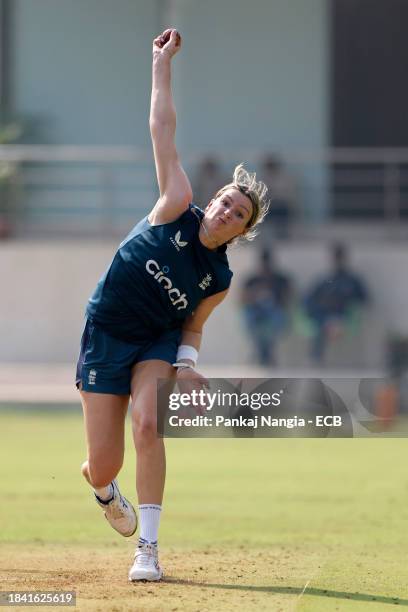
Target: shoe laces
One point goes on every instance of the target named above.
(146, 553)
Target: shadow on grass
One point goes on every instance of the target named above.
(282, 590)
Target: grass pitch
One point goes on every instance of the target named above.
(290, 524)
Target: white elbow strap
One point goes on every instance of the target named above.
(185, 351)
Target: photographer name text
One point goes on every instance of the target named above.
(255, 421)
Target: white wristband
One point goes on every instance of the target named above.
(185, 351)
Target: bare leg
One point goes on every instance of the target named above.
(104, 416)
(150, 453)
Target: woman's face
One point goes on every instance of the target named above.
(227, 216)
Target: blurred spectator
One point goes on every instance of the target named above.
(10, 131)
(265, 300)
(208, 181)
(282, 193)
(333, 301)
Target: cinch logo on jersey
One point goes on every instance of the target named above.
(205, 282)
(176, 298)
(177, 241)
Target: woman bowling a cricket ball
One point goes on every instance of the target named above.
(146, 316)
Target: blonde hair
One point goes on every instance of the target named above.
(256, 191)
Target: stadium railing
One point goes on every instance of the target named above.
(101, 191)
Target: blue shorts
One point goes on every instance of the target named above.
(105, 363)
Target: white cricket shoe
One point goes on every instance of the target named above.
(146, 564)
(119, 512)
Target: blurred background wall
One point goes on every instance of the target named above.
(250, 75)
(79, 72)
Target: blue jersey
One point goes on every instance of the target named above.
(157, 278)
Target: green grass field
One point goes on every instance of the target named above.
(267, 524)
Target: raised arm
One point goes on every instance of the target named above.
(174, 186)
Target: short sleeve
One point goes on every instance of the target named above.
(224, 280)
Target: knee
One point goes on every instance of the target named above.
(100, 471)
(144, 428)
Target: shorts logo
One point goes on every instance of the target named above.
(92, 377)
(176, 298)
(205, 283)
(177, 241)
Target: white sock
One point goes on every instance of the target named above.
(104, 493)
(149, 518)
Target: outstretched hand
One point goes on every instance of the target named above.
(169, 42)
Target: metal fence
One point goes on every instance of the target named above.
(74, 191)
(100, 192)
